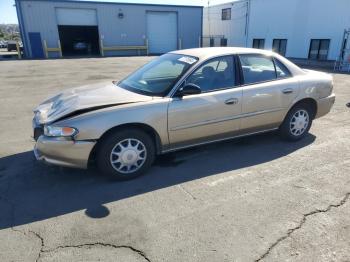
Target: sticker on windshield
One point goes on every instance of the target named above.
(187, 59)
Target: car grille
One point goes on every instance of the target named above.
(38, 131)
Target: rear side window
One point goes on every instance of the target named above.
(257, 68)
(281, 70)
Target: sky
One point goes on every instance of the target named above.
(8, 13)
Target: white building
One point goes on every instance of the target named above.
(305, 29)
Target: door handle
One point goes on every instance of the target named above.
(231, 101)
(287, 91)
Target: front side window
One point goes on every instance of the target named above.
(319, 49)
(158, 77)
(226, 14)
(257, 68)
(259, 43)
(215, 74)
(280, 46)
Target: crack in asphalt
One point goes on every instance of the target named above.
(301, 223)
(23, 232)
(139, 252)
(35, 234)
(42, 244)
(187, 192)
(43, 250)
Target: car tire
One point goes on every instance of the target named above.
(297, 123)
(125, 154)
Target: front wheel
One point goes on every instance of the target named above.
(297, 123)
(126, 154)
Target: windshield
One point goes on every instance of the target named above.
(158, 76)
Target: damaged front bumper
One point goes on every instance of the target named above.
(63, 152)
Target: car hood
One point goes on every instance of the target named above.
(84, 99)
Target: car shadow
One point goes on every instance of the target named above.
(31, 191)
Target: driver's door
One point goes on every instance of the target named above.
(212, 115)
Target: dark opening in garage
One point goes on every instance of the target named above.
(79, 40)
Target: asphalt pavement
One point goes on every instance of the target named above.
(251, 199)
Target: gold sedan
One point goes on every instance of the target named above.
(181, 99)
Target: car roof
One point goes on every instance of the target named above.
(207, 52)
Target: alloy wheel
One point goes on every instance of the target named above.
(128, 156)
(299, 122)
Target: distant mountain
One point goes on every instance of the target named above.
(9, 32)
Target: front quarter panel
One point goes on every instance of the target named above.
(94, 124)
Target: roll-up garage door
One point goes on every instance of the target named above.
(78, 31)
(162, 32)
(75, 16)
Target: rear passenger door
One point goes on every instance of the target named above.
(268, 91)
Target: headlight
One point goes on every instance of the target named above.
(60, 131)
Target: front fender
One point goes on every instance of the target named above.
(93, 125)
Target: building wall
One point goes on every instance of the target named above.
(234, 29)
(40, 16)
(298, 21)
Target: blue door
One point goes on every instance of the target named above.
(36, 45)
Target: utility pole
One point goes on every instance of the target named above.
(209, 18)
(247, 24)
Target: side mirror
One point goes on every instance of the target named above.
(188, 89)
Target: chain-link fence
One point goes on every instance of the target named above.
(214, 40)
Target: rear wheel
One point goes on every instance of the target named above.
(297, 123)
(126, 154)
